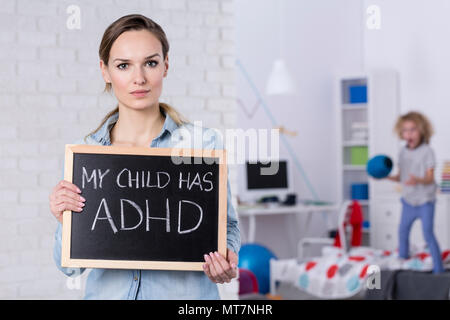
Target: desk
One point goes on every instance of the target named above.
(259, 210)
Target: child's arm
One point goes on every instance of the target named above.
(428, 179)
(395, 178)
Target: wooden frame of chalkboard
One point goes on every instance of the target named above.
(219, 158)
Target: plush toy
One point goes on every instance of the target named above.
(356, 221)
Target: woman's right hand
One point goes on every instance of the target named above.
(65, 196)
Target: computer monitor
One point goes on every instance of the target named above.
(260, 184)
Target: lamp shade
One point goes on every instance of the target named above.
(280, 81)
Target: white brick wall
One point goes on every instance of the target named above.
(49, 82)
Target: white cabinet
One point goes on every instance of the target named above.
(385, 217)
(384, 236)
(385, 210)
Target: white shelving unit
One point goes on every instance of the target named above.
(378, 114)
(383, 208)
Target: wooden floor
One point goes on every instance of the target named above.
(287, 291)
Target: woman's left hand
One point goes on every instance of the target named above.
(218, 269)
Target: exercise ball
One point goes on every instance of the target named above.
(256, 258)
(247, 282)
(379, 166)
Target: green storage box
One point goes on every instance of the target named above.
(359, 155)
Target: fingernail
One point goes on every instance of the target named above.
(233, 266)
(205, 256)
(82, 199)
(216, 253)
(78, 189)
(81, 204)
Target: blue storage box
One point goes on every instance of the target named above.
(357, 94)
(360, 191)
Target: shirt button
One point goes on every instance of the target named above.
(135, 278)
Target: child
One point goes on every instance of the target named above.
(416, 174)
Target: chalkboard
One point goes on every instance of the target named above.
(146, 208)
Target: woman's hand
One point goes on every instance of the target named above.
(218, 269)
(65, 196)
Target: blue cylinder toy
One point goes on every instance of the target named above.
(379, 166)
(360, 191)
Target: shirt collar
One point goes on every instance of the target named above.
(103, 137)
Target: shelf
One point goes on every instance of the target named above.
(354, 106)
(365, 230)
(363, 202)
(355, 125)
(356, 143)
(350, 167)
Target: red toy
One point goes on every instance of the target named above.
(356, 221)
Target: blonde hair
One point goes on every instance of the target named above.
(421, 121)
(134, 22)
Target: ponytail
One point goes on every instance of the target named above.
(174, 114)
(103, 121)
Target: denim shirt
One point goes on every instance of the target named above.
(154, 284)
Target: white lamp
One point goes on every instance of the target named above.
(280, 80)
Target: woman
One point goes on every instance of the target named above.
(134, 61)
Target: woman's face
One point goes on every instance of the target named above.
(136, 69)
(411, 134)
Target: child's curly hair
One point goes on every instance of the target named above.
(421, 121)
